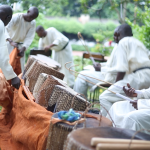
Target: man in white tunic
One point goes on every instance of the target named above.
(62, 51)
(21, 29)
(101, 72)
(132, 66)
(132, 115)
(129, 56)
(5, 17)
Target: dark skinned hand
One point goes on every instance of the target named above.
(46, 48)
(22, 50)
(15, 82)
(130, 92)
(97, 66)
(14, 44)
(134, 104)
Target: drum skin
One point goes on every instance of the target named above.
(80, 139)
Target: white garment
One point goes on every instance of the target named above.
(59, 54)
(126, 116)
(4, 56)
(131, 55)
(81, 85)
(22, 31)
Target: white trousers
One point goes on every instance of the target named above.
(125, 116)
(22, 60)
(63, 57)
(138, 80)
(81, 85)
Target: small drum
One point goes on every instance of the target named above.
(80, 139)
(58, 132)
(45, 90)
(39, 68)
(41, 79)
(66, 98)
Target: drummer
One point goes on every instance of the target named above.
(62, 51)
(132, 115)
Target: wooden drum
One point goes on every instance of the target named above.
(80, 139)
(58, 132)
(43, 93)
(66, 98)
(39, 68)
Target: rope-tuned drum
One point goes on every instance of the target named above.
(66, 98)
(39, 68)
(58, 132)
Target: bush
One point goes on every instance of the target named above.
(142, 32)
(100, 31)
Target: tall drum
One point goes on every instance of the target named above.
(58, 132)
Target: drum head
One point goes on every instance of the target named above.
(82, 137)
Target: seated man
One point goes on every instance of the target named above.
(62, 51)
(100, 72)
(130, 64)
(132, 115)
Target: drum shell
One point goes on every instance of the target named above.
(39, 68)
(58, 132)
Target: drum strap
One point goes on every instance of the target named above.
(141, 69)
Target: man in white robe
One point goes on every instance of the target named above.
(129, 56)
(62, 50)
(132, 66)
(101, 72)
(21, 29)
(132, 115)
(5, 17)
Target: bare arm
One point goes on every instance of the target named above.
(120, 76)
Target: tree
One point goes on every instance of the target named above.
(9, 2)
(46, 7)
(121, 8)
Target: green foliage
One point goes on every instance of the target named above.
(78, 47)
(144, 30)
(99, 48)
(72, 26)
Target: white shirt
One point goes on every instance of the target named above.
(20, 30)
(130, 55)
(4, 56)
(53, 37)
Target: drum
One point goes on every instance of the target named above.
(66, 98)
(80, 139)
(28, 65)
(58, 132)
(50, 62)
(41, 79)
(39, 68)
(44, 92)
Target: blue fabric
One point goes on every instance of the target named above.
(70, 115)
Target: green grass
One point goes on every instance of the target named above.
(0, 111)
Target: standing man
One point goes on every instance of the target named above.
(21, 29)
(62, 51)
(5, 17)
